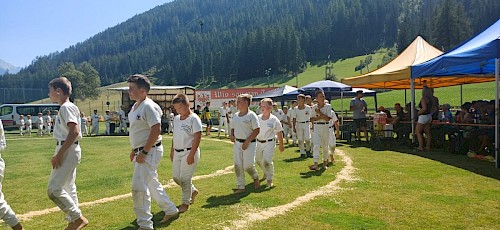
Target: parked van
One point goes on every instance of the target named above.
(9, 113)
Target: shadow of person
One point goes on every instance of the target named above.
(311, 173)
(230, 199)
(299, 158)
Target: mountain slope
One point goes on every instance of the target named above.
(6, 67)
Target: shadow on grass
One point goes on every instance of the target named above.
(311, 173)
(230, 199)
(157, 217)
(481, 167)
(298, 158)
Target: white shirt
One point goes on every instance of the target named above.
(3, 143)
(172, 116)
(68, 113)
(22, 122)
(95, 118)
(233, 110)
(334, 118)
(327, 110)
(269, 128)
(47, 120)
(223, 111)
(302, 115)
(291, 113)
(244, 126)
(277, 113)
(122, 115)
(107, 118)
(40, 120)
(142, 118)
(184, 131)
(83, 120)
(28, 123)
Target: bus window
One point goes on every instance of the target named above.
(6, 110)
(25, 110)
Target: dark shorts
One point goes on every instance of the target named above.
(359, 123)
(208, 122)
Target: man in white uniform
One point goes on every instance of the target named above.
(185, 151)
(291, 115)
(309, 102)
(270, 126)
(22, 124)
(321, 115)
(223, 118)
(6, 213)
(230, 113)
(95, 123)
(146, 154)
(47, 123)
(39, 124)
(301, 124)
(29, 124)
(67, 155)
(107, 122)
(83, 124)
(123, 119)
(244, 131)
(334, 129)
(286, 123)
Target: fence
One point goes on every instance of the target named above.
(22, 95)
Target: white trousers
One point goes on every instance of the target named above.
(123, 126)
(264, 158)
(6, 213)
(48, 128)
(21, 130)
(84, 129)
(229, 126)
(223, 122)
(62, 187)
(244, 161)
(303, 135)
(286, 131)
(107, 127)
(182, 173)
(29, 129)
(321, 138)
(170, 128)
(95, 128)
(40, 130)
(145, 185)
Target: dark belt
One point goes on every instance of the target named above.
(181, 150)
(141, 148)
(302, 121)
(321, 123)
(264, 141)
(243, 140)
(62, 143)
(222, 116)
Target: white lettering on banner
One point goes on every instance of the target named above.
(218, 96)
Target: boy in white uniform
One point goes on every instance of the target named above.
(270, 126)
(230, 113)
(47, 123)
(286, 123)
(95, 123)
(83, 124)
(67, 155)
(146, 154)
(321, 115)
(291, 115)
(6, 213)
(22, 124)
(123, 120)
(39, 124)
(309, 102)
(301, 124)
(244, 131)
(185, 151)
(223, 118)
(29, 124)
(334, 128)
(107, 122)
(170, 118)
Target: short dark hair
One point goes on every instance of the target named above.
(180, 98)
(61, 83)
(359, 92)
(141, 81)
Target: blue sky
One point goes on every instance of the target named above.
(31, 28)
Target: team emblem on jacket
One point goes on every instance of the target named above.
(138, 117)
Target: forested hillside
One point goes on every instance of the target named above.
(190, 41)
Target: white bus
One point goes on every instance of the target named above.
(9, 113)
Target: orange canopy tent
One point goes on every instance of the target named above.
(396, 74)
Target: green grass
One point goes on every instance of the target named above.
(393, 189)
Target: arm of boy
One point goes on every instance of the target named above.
(172, 152)
(280, 141)
(74, 131)
(153, 136)
(194, 147)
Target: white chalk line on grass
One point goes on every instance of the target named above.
(344, 175)
(170, 184)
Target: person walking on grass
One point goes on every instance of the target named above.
(6, 213)
(67, 155)
(359, 108)
(301, 125)
(146, 154)
(22, 124)
(185, 151)
(321, 115)
(29, 124)
(245, 129)
(270, 127)
(223, 119)
(95, 123)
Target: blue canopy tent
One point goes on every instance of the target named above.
(476, 60)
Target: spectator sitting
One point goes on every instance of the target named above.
(447, 115)
(401, 130)
(464, 116)
(408, 113)
(386, 111)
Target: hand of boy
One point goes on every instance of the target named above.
(56, 161)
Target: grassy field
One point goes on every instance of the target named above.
(395, 189)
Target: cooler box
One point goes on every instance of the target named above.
(388, 130)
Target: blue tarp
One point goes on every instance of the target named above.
(474, 57)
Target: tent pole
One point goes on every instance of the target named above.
(341, 107)
(461, 96)
(412, 110)
(405, 98)
(497, 113)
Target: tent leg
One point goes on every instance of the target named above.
(497, 113)
(412, 110)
